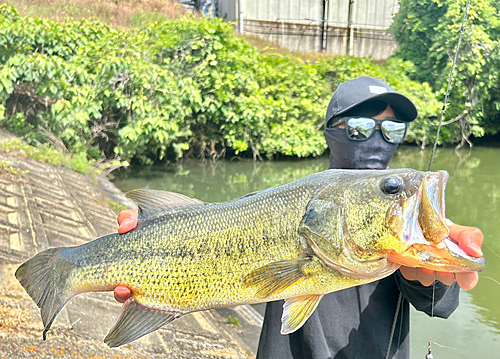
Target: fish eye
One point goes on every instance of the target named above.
(391, 185)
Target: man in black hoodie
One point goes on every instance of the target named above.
(365, 121)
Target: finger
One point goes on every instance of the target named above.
(425, 276)
(127, 220)
(127, 214)
(445, 277)
(469, 239)
(409, 273)
(122, 293)
(468, 280)
(124, 214)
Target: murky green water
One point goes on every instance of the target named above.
(473, 198)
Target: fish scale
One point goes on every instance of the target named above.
(298, 241)
(261, 226)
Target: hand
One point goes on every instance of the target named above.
(470, 240)
(127, 220)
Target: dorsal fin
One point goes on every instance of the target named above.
(152, 201)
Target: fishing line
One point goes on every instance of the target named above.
(429, 353)
(400, 324)
(498, 255)
(445, 102)
(494, 280)
(398, 305)
(429, 346)
(433, 295)
(487, 246)
(443, 346)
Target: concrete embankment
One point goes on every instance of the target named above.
(43, 206)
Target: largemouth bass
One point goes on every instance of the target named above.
(298, 241)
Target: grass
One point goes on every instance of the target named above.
(43, 153)
(116, 207)
(234, 321)
(119, 13)
(7, 170)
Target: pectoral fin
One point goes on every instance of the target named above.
(296, 311)
(276, 277)
(136, 321)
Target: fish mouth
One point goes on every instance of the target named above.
(425, 233)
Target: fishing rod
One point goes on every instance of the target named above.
(445, 102)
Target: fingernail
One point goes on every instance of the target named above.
(476, 247)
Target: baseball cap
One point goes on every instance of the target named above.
(355, 92)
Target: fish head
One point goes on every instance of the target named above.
(419, 222)
(376, 221)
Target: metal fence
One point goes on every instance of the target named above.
(344, 27)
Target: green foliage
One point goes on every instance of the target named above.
(427, 32)
(8, 13)
(172, 89)
(47, 154)
(6, 168)
(300, 96)
(116, 207)
(234, 321)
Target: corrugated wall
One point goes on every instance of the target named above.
(299, 24)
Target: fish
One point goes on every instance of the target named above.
(298, 241)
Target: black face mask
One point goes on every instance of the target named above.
(374, 153)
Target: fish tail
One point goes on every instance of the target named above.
(45, 278)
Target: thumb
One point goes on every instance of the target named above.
(469, 239)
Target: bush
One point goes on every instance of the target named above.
(183, 88)
(427, 32)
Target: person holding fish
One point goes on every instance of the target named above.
(365, 121)
(359, 237)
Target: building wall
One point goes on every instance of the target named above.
(299, 24)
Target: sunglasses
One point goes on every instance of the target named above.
(362, 128)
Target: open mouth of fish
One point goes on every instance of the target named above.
(425, 232)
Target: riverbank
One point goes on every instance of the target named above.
(43, 206)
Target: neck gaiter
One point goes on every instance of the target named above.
(374, 153)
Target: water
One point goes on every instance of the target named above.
(473, 198)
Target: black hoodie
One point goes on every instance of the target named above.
(357, 322)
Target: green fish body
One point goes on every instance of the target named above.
(298, 241)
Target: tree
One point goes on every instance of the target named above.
(427, 32)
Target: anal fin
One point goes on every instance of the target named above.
(136, 321)
(296, 311)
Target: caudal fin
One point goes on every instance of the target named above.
(45, 277)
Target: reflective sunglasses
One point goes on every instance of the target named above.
(362, 128)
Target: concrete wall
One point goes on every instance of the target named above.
(300, 24)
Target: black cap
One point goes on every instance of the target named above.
(355, 92)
